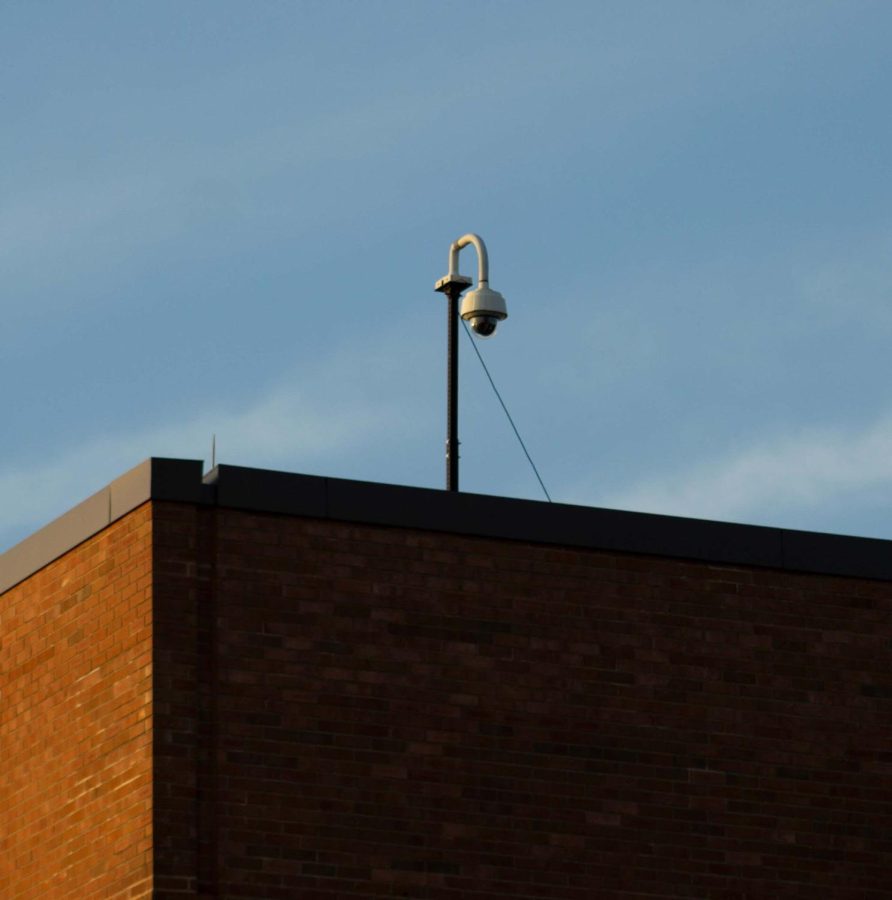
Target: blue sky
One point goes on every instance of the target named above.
(227, 218)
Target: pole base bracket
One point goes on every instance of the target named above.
(453, 282)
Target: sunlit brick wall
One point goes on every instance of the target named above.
(75, 722)
(363, 711)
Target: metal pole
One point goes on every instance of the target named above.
(453, 292)
(453, 284)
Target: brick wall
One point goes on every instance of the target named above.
(185, 755)
(75, 722)
(359, 711)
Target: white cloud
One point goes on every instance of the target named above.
(766, 480)
(291, 428)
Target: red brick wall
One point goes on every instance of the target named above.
(352, 711)
(75, 722)
(184, 742)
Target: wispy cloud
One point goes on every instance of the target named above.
(290, 428)
(848, 282)
(146, 191)
(771, 479)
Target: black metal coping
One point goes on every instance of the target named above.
(265, 491)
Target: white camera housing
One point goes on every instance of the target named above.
(483, 309)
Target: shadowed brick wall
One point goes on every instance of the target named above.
(75, 722)
(361, 711)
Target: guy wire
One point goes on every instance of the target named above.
(516, 432)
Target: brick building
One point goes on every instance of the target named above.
(264, 685)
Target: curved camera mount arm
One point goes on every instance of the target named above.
(482, 256)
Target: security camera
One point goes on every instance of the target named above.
(484, 326)
(484, 309)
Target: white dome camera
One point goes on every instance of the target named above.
(483, 309)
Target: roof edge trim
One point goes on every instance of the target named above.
(155, 478)
(266, 491)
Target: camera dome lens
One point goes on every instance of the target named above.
(484, 325)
